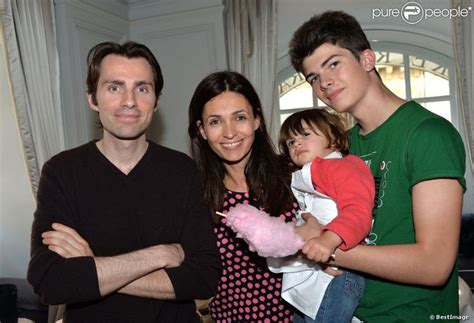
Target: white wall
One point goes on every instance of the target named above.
(80, 26)
(188, 45)
(187, 37)
(16, 198)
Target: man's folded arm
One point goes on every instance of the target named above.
(55, 279)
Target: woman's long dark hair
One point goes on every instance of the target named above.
(268, 178)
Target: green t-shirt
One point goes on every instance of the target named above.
(412, 146)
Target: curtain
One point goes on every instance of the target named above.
(251, 34)
(462, 33)
(32, 56)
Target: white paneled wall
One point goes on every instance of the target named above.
(188, 45)
(79, 27)
(187, 37)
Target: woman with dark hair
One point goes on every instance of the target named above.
(238, 164)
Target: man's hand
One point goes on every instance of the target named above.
(310, 229)
(66, 242)
(332, 271)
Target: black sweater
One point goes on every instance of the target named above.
(158, 202)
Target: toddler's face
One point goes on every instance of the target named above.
(305, 147)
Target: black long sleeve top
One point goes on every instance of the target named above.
(158, 202)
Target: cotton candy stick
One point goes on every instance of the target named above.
(221, 214)
(268, 236)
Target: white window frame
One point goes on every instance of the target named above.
(436, 57)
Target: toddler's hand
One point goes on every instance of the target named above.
(320, 249)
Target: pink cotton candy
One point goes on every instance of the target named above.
(268, 236)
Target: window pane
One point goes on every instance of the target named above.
(283, 117)
(442, 108)
(300, 96)
(391, 70)
(321, 104)
(428, 78)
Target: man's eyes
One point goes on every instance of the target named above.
(113, 88)
(143, 89)
(140, 89)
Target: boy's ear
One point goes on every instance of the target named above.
(368, 59)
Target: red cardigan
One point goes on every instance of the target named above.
(349, 182)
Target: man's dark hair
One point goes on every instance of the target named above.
(334, 27)
(128, 49)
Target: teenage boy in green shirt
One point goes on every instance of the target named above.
(418, 162)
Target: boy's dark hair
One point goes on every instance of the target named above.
(128, 49)
(334, 27)
(321, 122)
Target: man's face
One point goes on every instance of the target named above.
(337, 77)
(125, 97)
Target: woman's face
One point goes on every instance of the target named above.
(228, 125)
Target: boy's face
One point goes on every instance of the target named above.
(337, 77)
(308, 145)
